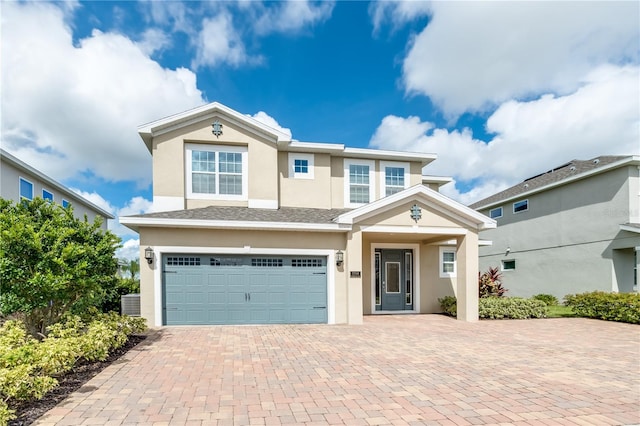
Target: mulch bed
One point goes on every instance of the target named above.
(30, 411)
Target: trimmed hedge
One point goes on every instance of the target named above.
(500, 307)
(29, 367)
(621, 307)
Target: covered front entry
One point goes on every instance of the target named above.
(394, 279)
(241, 289)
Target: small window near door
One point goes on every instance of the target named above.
(508, 265)
(408, 265)
(447, 262)
(377, 271)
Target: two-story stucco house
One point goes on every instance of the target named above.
(573, 229)
(253, 227)
(20, 181)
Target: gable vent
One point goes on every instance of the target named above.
(596, 161)
(573, 168)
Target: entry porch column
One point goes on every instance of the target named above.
(353, 263)
(467, 279)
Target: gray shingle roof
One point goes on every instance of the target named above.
(557, 174)
(241, 214)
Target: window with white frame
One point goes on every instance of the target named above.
(395, 177)
(521, 206)
(447, 262)
(216, 172)
(26, 189)
(358, 178)
(65, 203)
(509, 265)
(300, 165)
(47, 195)
(495, 213)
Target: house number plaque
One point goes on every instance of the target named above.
(355, 274)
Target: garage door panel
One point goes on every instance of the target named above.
(223, 289)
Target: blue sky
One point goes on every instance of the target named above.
(500, 91)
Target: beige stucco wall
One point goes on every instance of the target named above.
(207, 239)
(309, 193)
(169, 160)
(400, 216)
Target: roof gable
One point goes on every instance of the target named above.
(207, 112)
(431, 199)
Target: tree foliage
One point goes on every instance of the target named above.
(51, 262)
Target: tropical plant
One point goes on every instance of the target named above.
(490, 283)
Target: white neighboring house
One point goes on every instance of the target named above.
(572, 229)
(18, 181)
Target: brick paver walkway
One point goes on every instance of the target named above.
(420, 369)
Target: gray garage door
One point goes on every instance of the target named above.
(228, 289)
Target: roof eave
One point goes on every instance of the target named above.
(135, 223)
(633, 160)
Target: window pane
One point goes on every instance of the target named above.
(520, 206)
(65, 203)
(203, 183)
(230, 162)
(231, 184)
(359, 194)
(359, 174)
(448, 256)
(203, 161)
(495, 213)
(508, 265)
(447, 267)
(26, 189)
(393, 277)
(301, 166)
(47, 195)
(390, 190)
(394, 176)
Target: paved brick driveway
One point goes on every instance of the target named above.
(421, 369)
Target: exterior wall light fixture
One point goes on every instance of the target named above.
(148, 254)
(339, 258)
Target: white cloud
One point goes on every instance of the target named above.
(265, 118)
(474, 55)
(153, 40)
(602, 117)
(130, 249)
(74, 108)
(220, 42)
(291, 16)
(398, 12)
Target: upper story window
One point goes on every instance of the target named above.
(447, 262)
(300, 166)
(394, 177)
(26, 189)
(65, 203)
(47, 195)
(521, 206)
(495, 213)
(216, 172)
(358, 178)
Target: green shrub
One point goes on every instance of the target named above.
(511, 307)
(500, 307)
(29, 367)
(449, 305)
(621, 307)
(548, 299)
(5, 413)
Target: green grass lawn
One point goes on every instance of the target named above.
(559, 311)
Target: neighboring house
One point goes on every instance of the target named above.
(253, 227)
(573, 229)
(20, 181)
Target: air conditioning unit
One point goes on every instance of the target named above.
(130, 304)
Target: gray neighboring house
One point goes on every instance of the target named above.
(19, 180)
(572, 229)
